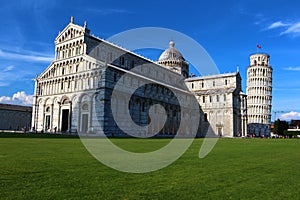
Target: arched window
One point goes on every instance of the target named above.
(65, 101)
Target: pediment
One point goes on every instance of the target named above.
(70, 31)
(52, 71)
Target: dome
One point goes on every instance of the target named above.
(173, 60)
(171, 54)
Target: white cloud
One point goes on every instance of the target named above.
(277, 25)
(292, 29)
(23, 97)
(289, 116)
(8, 68)
(4, 99)
(288, 28)
(292, 68)
(3, 84)
(109, 11)
(24, 57)
(20, 98)
(11, 74)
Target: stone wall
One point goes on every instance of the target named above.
(220, 100)
(13, 118)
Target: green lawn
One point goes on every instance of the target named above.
(55, 167)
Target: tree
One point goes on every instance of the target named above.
(280, 127)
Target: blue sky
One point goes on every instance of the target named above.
(228, 30)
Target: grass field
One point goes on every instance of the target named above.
(54, 167)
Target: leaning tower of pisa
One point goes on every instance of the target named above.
(259, 94)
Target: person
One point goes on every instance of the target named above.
(55, 129)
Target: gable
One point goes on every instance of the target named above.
(71, 31)
(53, 70)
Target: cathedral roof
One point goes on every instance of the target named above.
(215, 91)
(15, 107)
(171, 54)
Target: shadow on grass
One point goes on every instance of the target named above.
(36, 135)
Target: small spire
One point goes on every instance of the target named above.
(238, 68)
(172, 43)
(84, 24)
(72, 19)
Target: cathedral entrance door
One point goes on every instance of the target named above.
(220, 133)
(65, 120)
(47, 122)
(84, 122)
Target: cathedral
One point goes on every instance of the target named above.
(94, 87)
